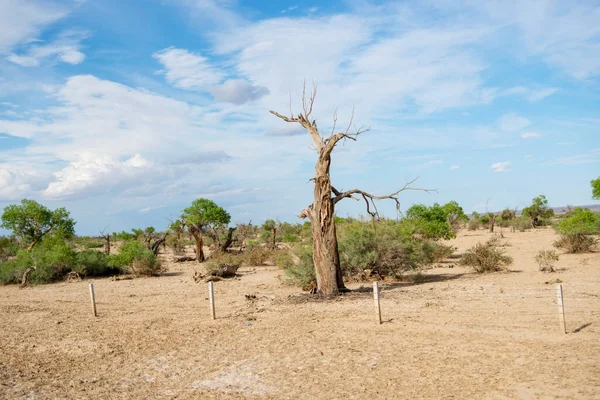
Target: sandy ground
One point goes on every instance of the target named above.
(457, 335)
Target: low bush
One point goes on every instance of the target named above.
(576, 243)
(521, 224)
(91, 244)
(576, 230)
(473, 224)
(137, 259)
(53, 259)
(221, 262)
(94, 263)
(303, 273)
(546, 260)
(8, 248)
(258, 255)
(486, 257)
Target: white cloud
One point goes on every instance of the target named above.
(238, 91)
(512, 122)
(531, 95)
(453, 167)
(188, 70)
(501, 166)
(12, 185)
(585, 158)
(565, 34)
(531, 135)
(21, 20)
(91, 175)
(65, 48)
(146, 210)
(355, 64)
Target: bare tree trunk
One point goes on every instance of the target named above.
(148, 240)
(228, 240)
(199, 251)
(25, 278)
(325, 247)
(156, 245)
(107, 244)
(31, 245)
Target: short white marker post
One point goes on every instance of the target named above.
(376, 298)
(211, 298)
(93, 297)
(561, 308)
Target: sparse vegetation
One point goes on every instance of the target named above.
(546, 260)
(134, 257)
(576, 231)
(538, 212)
(486, 257)
(521, 224)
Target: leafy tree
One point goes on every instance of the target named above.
(596, 188)
(430, 222)
(201, 217)
(269, 233)
(455, 215)
(538, 210)
(31, 222)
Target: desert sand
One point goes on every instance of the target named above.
(455, 334)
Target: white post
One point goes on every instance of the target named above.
(93, 297)
(376, 298)
(211, 298)
(561, 308)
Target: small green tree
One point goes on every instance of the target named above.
(430, 222)
(596, 188)
(31, 222)
(148, 235)
(202, 216)
(455, 215)
(538, 210)
(269, 233)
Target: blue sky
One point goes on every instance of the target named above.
(124, 112)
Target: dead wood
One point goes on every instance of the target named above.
(25, 277)
(184, 259)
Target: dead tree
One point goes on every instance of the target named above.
(106, 238)
(25, 277)
(321, 212)
(156, 245)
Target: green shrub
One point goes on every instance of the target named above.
(575, 243)
(576, 230)
(431, 222)
(546, 260)
(53, 259)
(94, 263)
(8, 248)
(92, 244)
(303, 273)
(486, 257)
(284, 260)
(473, 224)
(137, 259)
(258, 255)
(214, 266)
(521, 224)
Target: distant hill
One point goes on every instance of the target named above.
(593, 207)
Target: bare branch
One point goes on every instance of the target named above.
(370, 199)
(334, 121)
